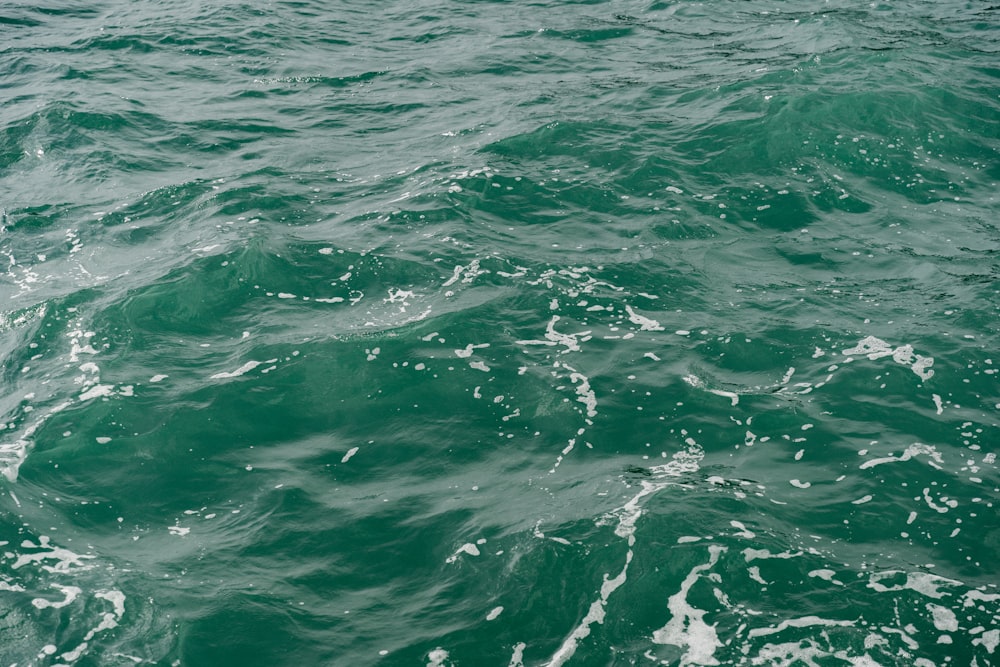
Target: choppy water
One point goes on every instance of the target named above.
(499, 333)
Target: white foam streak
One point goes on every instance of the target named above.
(921, 582)
(517, 658)
(944, 619)
(245, 368)
(98, 391)
(645, 323)
(469, 349)
(763, 554)
(732, 396)
(804, 622)
(553, 337)
(595, 614)
(66, 560)
(584, 392)
(687, 628)
(989, 640)
(465, 273)
(911, 451)
(698, 383)
(71, 593)
(13, 454)
(628, 515)
(876, 348)
(467, 548)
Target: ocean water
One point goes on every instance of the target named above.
(499, 333)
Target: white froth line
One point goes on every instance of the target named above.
(467, 352)
(937, 508)
(66, 559)
(804, 622)
(12, 455)
(109, 621)
(586, 395)
(628, 515)
(454, 276)
(753, 554)
(98, 391)
(911, 451)
(944, 619)
(876, 348)
(743, 531)
(698, 383)
(594, 615)
(645, 323)
(977, 594)
(467, 548)
(553, 337)
(466, 273)
(71, 593)
(248, 366)
(687, 627)
(732, 396)
(517, 658)
(921, 582)
(754, 572)
(989, 640)
(826, 575)
(907, 639)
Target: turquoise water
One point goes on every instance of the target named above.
(499, 333)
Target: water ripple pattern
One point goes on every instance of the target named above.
(499, 333)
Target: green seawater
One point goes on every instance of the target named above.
(524, 333)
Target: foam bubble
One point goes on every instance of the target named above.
(437, 657)
(517, 658)
(988, 640)
(944, 619)
(467, 548)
